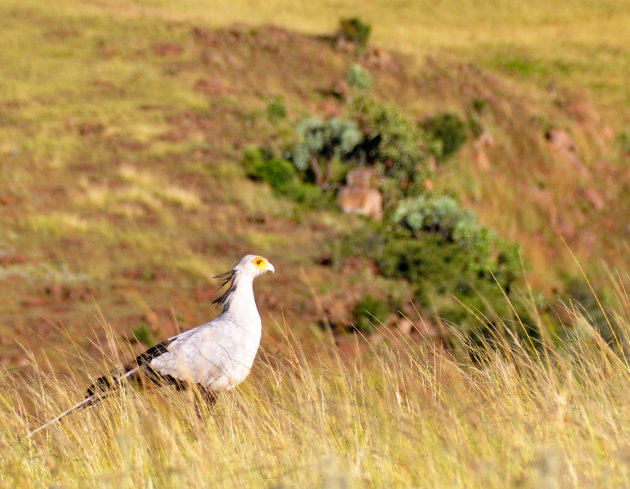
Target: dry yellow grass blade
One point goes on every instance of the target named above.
(404, 415)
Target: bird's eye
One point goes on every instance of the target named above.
(259, 262)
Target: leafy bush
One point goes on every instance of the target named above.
(359, 77)
(399, 140)
(323, 141)
(276, 110)
(395, 144)
(440, 214)
(281, 175)
(376, 134)
(355, 30)
(278, 172)
(449, 258)
(449, 129)
(307, 193)
(370, 311)
(333, 138)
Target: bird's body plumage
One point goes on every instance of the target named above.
(217, 356)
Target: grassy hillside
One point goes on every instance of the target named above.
(123, 128)
(578, 43)
(122, 188)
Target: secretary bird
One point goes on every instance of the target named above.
(216, 356)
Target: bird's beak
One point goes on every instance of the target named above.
(270, 268)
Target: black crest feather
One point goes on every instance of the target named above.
(226, 278)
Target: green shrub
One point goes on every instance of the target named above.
(449, 274)
(307, 193)
(322, 142)
(369, 312)
(399, 140)
(276, 110)
(623, 142)
(334, 138)
(475, 125)
(439, 214)
(449, 129)
(355, 30)
(278, 172)
(377, 134)
(395, 144)
(254, 159)
(281, 175)
(449, 258)
(359, 77)
(142, 333)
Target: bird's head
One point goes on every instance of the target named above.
(253, 265)
(246, 270)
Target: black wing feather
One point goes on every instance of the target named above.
(112, 381)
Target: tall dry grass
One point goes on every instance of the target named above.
(407, 413)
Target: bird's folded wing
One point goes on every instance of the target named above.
(200, 355)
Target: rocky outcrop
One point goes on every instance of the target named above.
(484, 141)
(358, 196)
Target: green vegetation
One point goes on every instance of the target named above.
(370, 312)
(144, 335)
(276, 110)
(395, 143)
(359, 77)
(355, 30)
(281, 175)
(323, 143)
(460, 269)
(278, 172)
(448, 130)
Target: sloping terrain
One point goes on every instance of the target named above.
(122, 191)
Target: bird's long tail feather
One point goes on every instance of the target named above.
(93, 398)
(88, 401)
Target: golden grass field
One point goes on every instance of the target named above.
(406, 414)
(121, 184)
